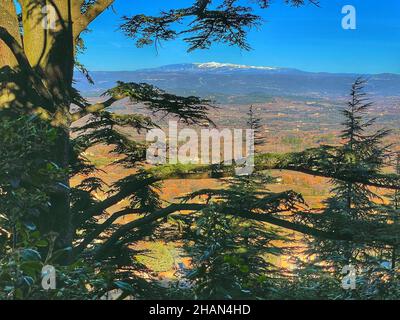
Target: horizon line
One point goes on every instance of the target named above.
(254, 66)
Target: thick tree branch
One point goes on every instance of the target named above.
(97, 107)
(262, 217)
(380, 181)
(262, 162)
(153, 175)
(24, 64)
(301, 228)
(92, 13)
(109, 202)
(9, 21)
(102, 227)
(15, 48)
(145, 221)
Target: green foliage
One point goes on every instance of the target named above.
(232, 256)
(229, 253)
(292, 140)
(225, 21)
(27, 170)
(158, 256)
(191, 110)
(22, 264)
(254, 122)
(27, 176)
(353, 207)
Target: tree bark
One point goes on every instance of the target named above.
(49, 47)
(9, 21)
(44, 80)
(8, 62)
(49, 44)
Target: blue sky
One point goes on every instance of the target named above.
(306, 38)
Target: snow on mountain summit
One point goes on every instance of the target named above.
(215, 65)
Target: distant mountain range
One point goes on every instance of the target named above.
(232, 83)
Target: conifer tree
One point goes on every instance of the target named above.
(233, 257)
(395, 204)
(254, 122)
(354, 207)
(37, 66)
(37, 71)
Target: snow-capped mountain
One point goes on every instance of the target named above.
(218, 67)
(230, 66)
(227, 82)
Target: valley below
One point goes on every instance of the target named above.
(289, 124)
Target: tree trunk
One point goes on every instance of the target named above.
(49, 46)
(9, 21)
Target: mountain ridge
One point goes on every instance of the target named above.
(235, 83)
